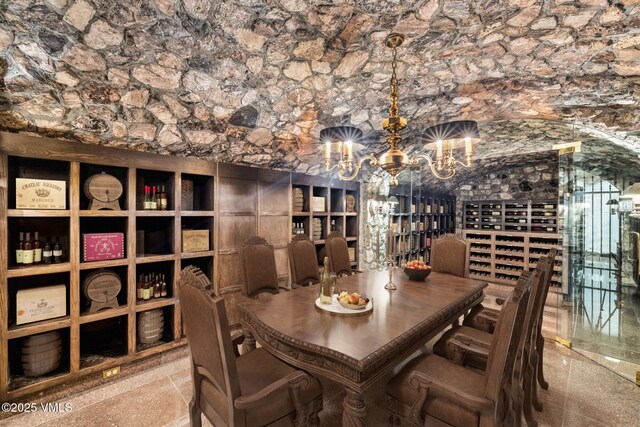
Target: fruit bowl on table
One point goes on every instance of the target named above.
(417, 271)
(352, 301)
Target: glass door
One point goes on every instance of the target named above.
(598, 310)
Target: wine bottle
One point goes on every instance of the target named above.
(147, 289)
(163, 292)
(57, 251)
(157, 287)
(37, 249)
(139, 290)
(47, 253)
(27, 252)
(154, 199)
(20, 249)
(325, 284)
(147, 198)
(163, 199)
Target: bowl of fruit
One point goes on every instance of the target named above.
(417, 270)
(352, 301)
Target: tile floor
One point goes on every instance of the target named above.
(581, 393)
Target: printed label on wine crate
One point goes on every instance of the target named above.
(35, 304)
(40, 194)
(101, 246)
(195, 240)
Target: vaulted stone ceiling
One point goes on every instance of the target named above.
(251, 81)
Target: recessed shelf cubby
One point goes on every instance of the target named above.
(156, 236)
(121, 298)
(45, 169)
(102, 341)
(196, 193)
(166, 334)
(165, 268)
(158, 178)
(17, 372)
(48, 230)
(88, 170)
(30, 282)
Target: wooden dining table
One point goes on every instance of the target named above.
(357, 351)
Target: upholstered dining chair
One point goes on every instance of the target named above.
(259, 268)
(338, 253)
(468, 346)
(249, 390)
(303, 261)
(450, 255)
(484, 318)
(433, 390)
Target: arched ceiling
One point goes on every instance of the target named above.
(254, 81)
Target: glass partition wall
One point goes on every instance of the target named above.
(599, 307)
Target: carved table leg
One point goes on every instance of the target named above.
(249, 343)
(354, 410)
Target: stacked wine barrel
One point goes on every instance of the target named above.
(150, 326)
(41, 353)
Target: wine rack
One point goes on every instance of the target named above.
(511, 216)
(501, 256)
(420, 217)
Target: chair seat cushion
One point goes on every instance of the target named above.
(472, 319)
(442, 349)
(436, 405)
(258, 369)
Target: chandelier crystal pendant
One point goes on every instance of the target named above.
(343, 141)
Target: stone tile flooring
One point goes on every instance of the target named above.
(581, 393)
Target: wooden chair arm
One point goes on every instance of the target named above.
(468, 340)
(284, 288)
(500, 301)
(468, 348)
(237, 338)
(293, 382)
(423, 383)
(487, 317)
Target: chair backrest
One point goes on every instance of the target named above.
(259, 267)
(450, 255)
(504, 345)
(210, 343)
(551, 256)
(338, 253)
(303, 261)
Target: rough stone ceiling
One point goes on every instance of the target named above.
(252, 81)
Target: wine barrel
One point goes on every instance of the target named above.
(41, 353)
(150, 326)
(101, 286)
(103, 190)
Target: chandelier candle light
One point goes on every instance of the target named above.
(343, 140)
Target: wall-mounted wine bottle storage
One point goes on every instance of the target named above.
(501, 256)
(420, 217)
(98, 231)
(326, 205)
(510, 215)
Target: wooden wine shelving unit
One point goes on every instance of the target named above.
(501, 256)
(40, 157)
(334, 193)
(511, 215)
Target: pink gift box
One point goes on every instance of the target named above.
(101, 246)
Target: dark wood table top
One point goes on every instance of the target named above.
(289, 324)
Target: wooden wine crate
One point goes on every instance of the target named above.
(195, 240)
(101, 246)
(317, 204)
(40, 194)
(45, 302)
(352, 254)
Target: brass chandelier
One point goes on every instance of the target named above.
(342, 142)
